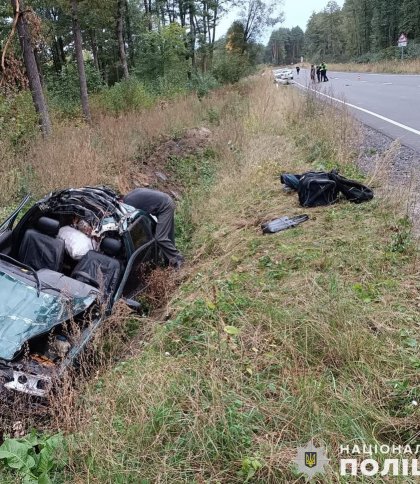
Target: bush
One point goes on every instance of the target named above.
(127, 95)
(202, 83)
(171, 84)
(18, 120)
(229, 67)
(64, 89)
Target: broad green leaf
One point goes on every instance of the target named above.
(44, 479)
(16, 454)
(31, 440)
(30, 479)
(46, 460)
(55, 442)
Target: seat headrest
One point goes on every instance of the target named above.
(111, 246)
(48, 226)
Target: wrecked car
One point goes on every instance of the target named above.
(43, 290)
(283, 76)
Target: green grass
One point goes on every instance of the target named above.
(271, 340)
(326, 349)
(196, 174)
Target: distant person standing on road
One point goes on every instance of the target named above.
(162, 207)
(324, 77)
(312, 73)
(318, 73)
(297, 70)
(322, 67)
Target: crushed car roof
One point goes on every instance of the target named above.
(100, 206)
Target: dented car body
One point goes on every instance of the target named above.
(44, 293)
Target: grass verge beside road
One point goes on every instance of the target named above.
(411, 66)
(271, 340)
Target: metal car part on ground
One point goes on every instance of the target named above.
(283, 223)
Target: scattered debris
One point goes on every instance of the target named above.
(175, 194)
(283, 223)
(18, 429)
(161, 176)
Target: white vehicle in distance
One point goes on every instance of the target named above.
(283, 76)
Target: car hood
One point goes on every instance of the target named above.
(25, 315)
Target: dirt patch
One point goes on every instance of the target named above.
(152, 172)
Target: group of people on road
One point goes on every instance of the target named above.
(320, 71)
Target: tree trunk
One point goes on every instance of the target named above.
(204, 47)
(192, 34)
(148, 14)
(162, 15)
(129, 35)
(121, 46)
(102, 65)
(39, 66)
(77, 34)
(61, 48)
(32, 70)
(171, 17)
(213, 35)
(56, 56)
(94, 45)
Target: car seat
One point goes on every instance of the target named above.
(40, 247)
(101, 270)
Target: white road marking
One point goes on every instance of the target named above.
(387, 83)
(388, 120)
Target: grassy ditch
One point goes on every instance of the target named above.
(271, 340)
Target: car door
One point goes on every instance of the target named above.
(143, 250)
(6, 227)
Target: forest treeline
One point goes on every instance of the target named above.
(63, 56)
(130, 51)
(361, 30)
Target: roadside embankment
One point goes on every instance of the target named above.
(270, 341)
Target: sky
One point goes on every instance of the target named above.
(296, 12)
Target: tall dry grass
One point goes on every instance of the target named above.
(411, 66)
(324, 313)
(320, 312)
(10, 175)
(107, 152)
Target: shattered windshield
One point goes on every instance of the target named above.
(24, 314)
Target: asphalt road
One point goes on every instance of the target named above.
(389, 103)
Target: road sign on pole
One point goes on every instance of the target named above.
(402, 42)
